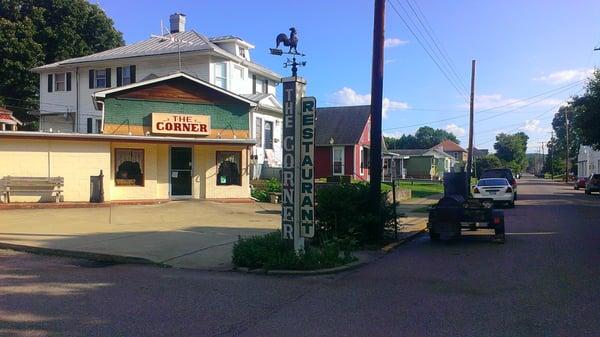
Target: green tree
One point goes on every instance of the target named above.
(37, 32)
(586, 113)
(484, 163)
(426, 137)
(510, 149)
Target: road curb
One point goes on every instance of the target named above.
(391, 246)
(352, 265)
(119, 259)
(284, 272)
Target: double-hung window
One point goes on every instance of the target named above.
(60, 82)
(364, 159)
(100, 78)
(126, 76)
(221, 74)
(338, 160)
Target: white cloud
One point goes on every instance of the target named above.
(483, 102)
(533, 125)
(348, 96)
(390, 61)
(563, 76)
(393, 42)
(455, 130)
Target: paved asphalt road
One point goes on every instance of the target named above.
(545, 281)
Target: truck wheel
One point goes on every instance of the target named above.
(434, 236)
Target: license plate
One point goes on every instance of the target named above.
(493, 193)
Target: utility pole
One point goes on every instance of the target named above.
(543, 159)
(567, 148)
(551, 152)
(471, 113)
(376, 112)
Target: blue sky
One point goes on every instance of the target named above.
(523, 48)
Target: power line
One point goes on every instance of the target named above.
(546, 94)
(541, 114)
(427, 51)
(427, 29)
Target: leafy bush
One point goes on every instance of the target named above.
(261, 193)
(270, 251)
(343, 211)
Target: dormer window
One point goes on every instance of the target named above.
(242, 52)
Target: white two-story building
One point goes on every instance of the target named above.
(66, 87)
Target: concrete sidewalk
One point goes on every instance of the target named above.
(414, 222)
(187, 234)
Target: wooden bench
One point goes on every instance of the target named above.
(11, 185)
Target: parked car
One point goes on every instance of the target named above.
(580, 182)
(498, 189)
(501, 173)
(592, 184)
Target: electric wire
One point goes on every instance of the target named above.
(428, 52)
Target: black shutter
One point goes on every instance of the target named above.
(254, 84)
(266, 84)
(132, 73)
(91, 78)
(90, 126)
(108, 84)
(119, 76)
(68, 79)
(50, 83)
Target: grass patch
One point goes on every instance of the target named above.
(422, 189)
(270, 251)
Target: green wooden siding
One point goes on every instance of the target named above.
(139, 112)
(418, 166)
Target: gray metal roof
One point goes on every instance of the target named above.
(151, 46)
(410, 152)
(192, 41)
(344, 124)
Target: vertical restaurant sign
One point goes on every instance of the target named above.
(307, 176)
(288, 183)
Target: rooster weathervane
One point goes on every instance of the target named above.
(292, 43)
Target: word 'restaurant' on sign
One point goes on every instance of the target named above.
(307, 175)
(166, 123)
(288, 173)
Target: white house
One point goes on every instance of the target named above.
(66, 87)
(588, 161)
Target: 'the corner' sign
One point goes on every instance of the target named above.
(297, 203)
(307, 175)
(166, 123)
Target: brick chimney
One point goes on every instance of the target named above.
(177, 21)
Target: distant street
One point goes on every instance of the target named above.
(544, 281)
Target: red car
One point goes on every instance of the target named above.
(580, 182)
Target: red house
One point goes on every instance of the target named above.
(342, 142)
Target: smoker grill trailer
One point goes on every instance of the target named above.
(457, 211)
